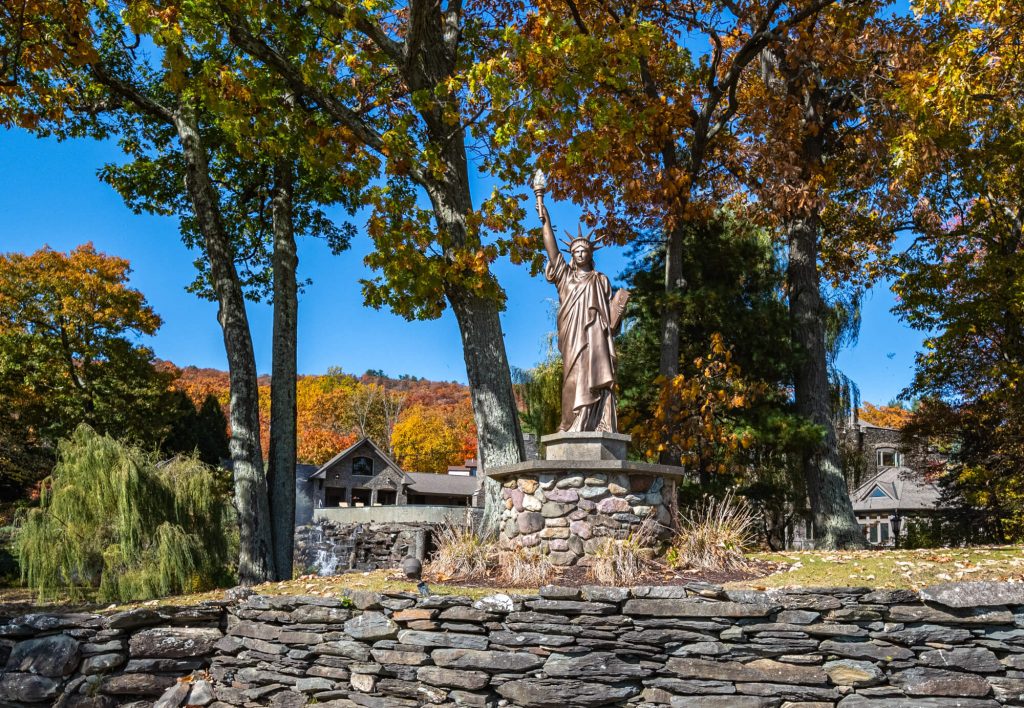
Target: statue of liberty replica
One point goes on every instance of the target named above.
(588, 318)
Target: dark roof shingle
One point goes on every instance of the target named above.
(448, 484)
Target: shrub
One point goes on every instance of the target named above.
(113, 520)
(623, 562)
(524, 567)
(461, 551)
(714, 535)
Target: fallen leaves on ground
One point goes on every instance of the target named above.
(897, 568)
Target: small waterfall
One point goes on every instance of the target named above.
(326, 562)
(353, 559)
(326, 558)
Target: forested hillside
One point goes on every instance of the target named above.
(425, 425)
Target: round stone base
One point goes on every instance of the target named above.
(570, 513)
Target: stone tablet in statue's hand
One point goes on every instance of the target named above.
(618, 308)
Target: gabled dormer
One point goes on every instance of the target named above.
(359, 462)
(878, 493)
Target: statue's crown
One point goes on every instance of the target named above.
(580, 238)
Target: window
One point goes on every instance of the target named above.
(887, 457)
(873, 533)
(362, 466)
(883, 530)
(877, 493)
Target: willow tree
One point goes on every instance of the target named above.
(108, 87)
(112, 521)
(540, 391)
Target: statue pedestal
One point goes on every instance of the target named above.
(584, 494)
(585, 446)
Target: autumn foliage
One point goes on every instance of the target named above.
(885, 416)
(695, 415)
(433, 427)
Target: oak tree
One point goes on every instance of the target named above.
(959, 281)
(393, 79)
(69, 354)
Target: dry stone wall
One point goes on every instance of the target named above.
(697, 646)
(329, 548)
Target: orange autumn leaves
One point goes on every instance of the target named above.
(427, 425)
(885, 416)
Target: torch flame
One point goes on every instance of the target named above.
(540, 182)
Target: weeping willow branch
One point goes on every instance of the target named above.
(115, 524)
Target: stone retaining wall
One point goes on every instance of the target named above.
(568, 515)
(697, 646)
(91, 660)
(329, 548)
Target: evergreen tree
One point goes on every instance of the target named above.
(728, 416)
(202, 430)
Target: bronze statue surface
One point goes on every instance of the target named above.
(588, 317)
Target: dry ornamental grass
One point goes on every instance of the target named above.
(714, 535)
(524, 567)
(461, 551)
(625, 561)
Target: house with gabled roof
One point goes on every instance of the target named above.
(890, 486)
(364, 475)
(887, 501)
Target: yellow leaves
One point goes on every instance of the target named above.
(429, 438)
(885, 416)
(694, 415)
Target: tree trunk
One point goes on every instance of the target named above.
(432, 43)
(281, 459)
(835, 526)
(669, 363)
(499, 436)
(255, 559)
(498, 432)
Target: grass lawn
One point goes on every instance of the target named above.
(890, 569)
(19, 600)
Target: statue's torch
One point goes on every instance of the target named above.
(540, 185)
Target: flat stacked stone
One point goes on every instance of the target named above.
(694, 646)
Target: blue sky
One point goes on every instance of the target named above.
(50, 195)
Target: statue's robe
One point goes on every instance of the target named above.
(585, 342)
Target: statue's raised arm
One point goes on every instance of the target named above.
(540, 183)
(586, 325)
